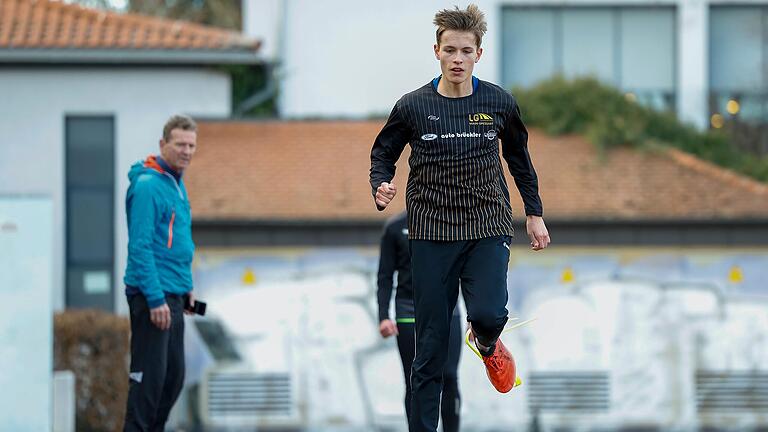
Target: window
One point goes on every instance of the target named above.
(738, 68)
(614, 44)
(90, 183)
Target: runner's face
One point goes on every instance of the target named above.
(458, 52)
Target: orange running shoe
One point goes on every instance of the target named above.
(500, 367)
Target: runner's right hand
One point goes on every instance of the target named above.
(384, 194)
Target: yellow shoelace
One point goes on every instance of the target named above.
(474, 349)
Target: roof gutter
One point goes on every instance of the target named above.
(59, 56)
(265, 93)
(659, 222)
(751, 233)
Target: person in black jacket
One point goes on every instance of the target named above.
(395, 256)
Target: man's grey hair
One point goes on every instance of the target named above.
(178, 121)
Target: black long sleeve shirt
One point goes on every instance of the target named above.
(395, 256)
(456, 187)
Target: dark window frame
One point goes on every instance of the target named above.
(72, 298)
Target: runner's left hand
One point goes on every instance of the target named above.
(537, 232)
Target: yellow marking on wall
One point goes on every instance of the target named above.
(736, 275)
(249, 278)
(568, 276)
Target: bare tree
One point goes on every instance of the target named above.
(217, 13)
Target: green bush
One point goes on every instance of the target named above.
(95, 346)
(609, 119)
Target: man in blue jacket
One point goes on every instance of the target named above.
(159, 275)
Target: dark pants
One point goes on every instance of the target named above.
(157, 365)
(436, 268)
(450, 401)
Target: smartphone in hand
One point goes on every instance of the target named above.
(197, 307)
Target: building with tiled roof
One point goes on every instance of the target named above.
(313, 175)
(84, 94)
(47, 31)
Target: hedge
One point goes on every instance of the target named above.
(608, 119)
(95, 346)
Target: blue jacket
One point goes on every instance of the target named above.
(160, 247)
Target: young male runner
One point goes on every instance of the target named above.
(459, 214)
(395, 256)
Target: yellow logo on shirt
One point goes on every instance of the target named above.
(480, 119)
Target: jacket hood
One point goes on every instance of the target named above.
(147, 165)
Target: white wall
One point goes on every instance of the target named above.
(647, 319)
(264, 23)
(34, 102)
(26, 323)
(371, 55)
(376, 51)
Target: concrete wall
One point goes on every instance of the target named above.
(368, 58)
(621, 341)
(34, 103)
(375, 52)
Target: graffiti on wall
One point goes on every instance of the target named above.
(619, 338)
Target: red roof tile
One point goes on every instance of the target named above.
(318, 170)
(54, 24)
